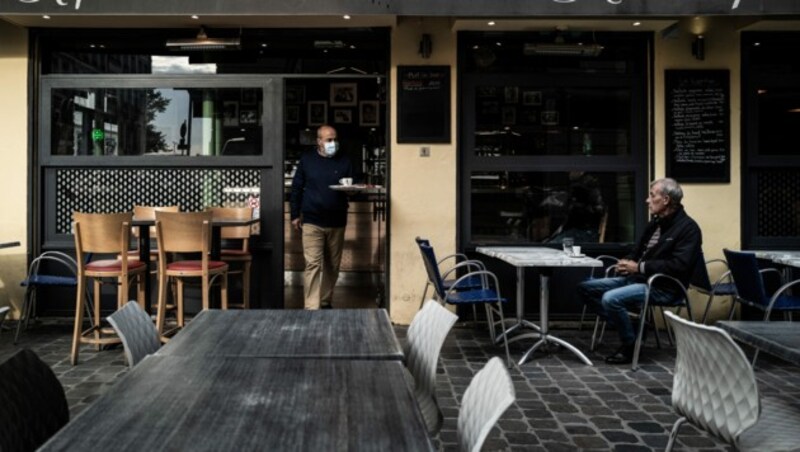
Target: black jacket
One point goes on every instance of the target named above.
(678, 251)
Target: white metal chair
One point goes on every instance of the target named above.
(3, 311)
(425, 338)
(488, 396)
(137, 331)
(715, 388)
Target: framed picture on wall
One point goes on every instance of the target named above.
(511, 94)
(531, 98)
(369, 113)
(344, 94)
(292, 114)
(317, 112)
(248, 117)
(295, 94)
(342, 116)
(549, 118)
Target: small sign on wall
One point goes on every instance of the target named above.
(423, 104)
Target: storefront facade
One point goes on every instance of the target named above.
(527, 128)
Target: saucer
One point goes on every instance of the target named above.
(576, 255)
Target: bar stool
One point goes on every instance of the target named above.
(186, 232)
(107, 234)
(148, 213)
(240, 254)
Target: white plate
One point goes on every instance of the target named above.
(355, 187)
(576, 255)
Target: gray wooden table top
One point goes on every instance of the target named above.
(239, 404)
(781, 339)
(285, 333)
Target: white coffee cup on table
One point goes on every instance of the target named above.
(346, 181)
(576, 251)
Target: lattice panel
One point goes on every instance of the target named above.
(118, 190)
(778, 203)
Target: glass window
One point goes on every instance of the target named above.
(156, 121)
(514, 207)
(779, 121)
(530, 120)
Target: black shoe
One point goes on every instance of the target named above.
(623, 355)
(326, 306)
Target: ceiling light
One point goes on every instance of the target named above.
(194, 16)
(328, 44)
(491, 23)
(46, 17)
(264, 44)
(636, 24)
(203, 42)
(756, 44)
(346, 17)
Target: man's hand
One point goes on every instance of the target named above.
(627, 267)
(297, 223)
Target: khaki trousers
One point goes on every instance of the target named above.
(322, 249)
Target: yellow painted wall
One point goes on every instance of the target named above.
(423, 194)
(14, 170)
(715, 207)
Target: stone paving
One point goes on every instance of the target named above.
(562, 404)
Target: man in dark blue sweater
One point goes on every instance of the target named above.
(321, 214)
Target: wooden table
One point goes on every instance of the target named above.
(545, 259)
(238, 404)
(781, 339)
(283, 333)
(216, 244)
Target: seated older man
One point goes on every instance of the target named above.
(671, 244)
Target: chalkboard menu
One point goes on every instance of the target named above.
(423, 104)
(698, 125)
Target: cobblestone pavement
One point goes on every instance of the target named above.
(562, 404)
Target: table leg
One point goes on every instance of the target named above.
(520, 323)
(144, 256)
(544, 337)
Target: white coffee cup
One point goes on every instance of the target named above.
(576, 251)
(346, 181)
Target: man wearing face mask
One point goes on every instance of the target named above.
(321, 214)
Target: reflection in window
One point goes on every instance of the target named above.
(156, 121)
(529, 120)
(513, 207)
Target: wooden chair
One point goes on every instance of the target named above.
(186, 232)
(241, 234)
(148, 213)
(104, 234)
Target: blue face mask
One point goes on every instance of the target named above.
(331, 147)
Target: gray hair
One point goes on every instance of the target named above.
(669, 187)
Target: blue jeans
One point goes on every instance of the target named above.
(612, 298)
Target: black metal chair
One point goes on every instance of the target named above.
(36, 279)
(32, 403)
(722, 287)
(488, 294)
(460, 263)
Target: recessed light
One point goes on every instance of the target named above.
(264, 44)
(498, 44)
(195, 16)
(346, 17)
(46, 17)
(491, 23)
(475, 47)
(756, 44)
(92, 46)
(352, 46)
(636, 24)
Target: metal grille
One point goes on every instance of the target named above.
(778, 203)
(118, 190)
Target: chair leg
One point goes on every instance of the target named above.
(24, 313)
(224, 290)
(78, 331)
(733, 309)
(595, 339)
(475, 317)
(673, 435)
(161, 310)
(755, 358)
(708, 307)
(638, 345)
(98, 297)
(179, 308)
(670, 336)
(205, 288)
(583, 316)
(505, 336)
(424, 294)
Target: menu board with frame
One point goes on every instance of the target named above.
(423, 104)
(698, 125)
